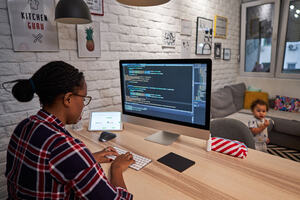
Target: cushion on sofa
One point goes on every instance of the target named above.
(238, 93)
(252, 96)
(289, 104)
(253, 89)
(222, 103)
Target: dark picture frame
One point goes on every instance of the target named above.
(217, 50)
(204, 36)
(226, 54)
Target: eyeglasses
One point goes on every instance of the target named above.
(86, 99)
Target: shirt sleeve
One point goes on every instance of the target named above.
(252, 124)
(73, 165)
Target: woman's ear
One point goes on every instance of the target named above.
(67, 99)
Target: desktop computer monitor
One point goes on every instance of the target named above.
(172, 95)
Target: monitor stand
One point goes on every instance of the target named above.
(163, 137)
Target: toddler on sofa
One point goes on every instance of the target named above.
(258, 124)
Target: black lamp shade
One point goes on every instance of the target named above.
(143, 2)
(72, 12)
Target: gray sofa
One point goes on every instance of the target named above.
(228, 102)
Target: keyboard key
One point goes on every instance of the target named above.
(140, 161)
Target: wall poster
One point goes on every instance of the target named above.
(32, 25)
(88, 36)
(204, 36)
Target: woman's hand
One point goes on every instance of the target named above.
(122, 162)
(101, 155)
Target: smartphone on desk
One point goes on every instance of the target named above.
(106, 136)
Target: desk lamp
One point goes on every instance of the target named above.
(143, 2)
(72, 12)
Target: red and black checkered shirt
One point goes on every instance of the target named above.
(45, 162)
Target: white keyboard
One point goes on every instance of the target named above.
(140, 161)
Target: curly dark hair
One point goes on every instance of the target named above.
(51, 80)
(259, 102)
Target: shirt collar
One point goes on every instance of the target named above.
(45, 116)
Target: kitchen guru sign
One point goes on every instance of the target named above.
(32, 25)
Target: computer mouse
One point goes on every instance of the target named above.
(105, 136)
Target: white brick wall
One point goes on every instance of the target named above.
(126, 33)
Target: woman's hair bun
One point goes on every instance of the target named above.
(23, 91)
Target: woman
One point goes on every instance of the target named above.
(43, 160)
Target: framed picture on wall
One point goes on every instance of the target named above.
(220, 27)
(218, 50)
(186, 27)
(168, 39)
(32, 25)
(88, 40)
(204, 36)
(96, 7)
(226, 54)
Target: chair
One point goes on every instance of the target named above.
(232, 129)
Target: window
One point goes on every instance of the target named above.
(290, 66)
(270, 38)
(288, 62)
(258, 37)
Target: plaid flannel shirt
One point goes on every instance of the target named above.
(45, 162)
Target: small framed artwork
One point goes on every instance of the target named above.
(220, 27)
(186, 27)
(95, 6)
(88, 40)
(204, 36)
(169, 39)
(218, 50)
(226, 54)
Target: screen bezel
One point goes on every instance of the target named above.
(206, 126)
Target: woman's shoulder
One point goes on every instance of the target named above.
(45, 134)
(21, 126)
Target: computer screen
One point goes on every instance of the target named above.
(176, 91)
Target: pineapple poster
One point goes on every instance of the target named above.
(88, 36)
(32, 25)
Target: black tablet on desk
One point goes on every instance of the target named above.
(176, 161)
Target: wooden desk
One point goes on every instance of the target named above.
(214, 176)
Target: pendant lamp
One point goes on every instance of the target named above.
(72, 12)
(143, 2)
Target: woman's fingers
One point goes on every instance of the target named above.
(110, 149)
